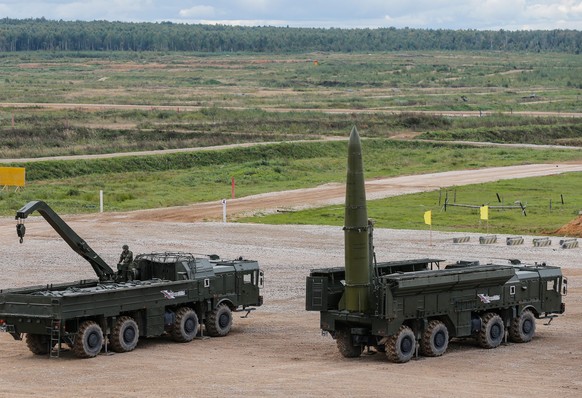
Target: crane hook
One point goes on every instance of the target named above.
(20, 231)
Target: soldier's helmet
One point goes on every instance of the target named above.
(125, 247)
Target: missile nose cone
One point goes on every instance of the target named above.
(354, 148)
(354, 137)
(356, 213)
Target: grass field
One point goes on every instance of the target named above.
(190, 99)
(422, 80)
(177, 100)
(173, 100)
(549, 202)
(131, 183)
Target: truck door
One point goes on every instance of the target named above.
(550, 294)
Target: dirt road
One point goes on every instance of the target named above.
(331, 194)
(99, 107)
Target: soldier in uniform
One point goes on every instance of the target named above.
(126, 257)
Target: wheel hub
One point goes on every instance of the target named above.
(527, 326)
(128, 335)
(189, 325)
(223, 320)
(93, 340)
(495, 331)
(406, 345)
(439, 340)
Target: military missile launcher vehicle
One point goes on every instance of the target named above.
(404, 308)
(157, 294)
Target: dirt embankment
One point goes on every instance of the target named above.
(573, 228)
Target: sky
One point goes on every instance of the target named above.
(424, 14)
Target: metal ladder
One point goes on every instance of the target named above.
(55, 339)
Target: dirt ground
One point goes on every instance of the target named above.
(334, 193)
(279, 349)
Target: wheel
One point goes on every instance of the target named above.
(400, 347)
(435, 339)
(185, 326)
(219, 321)
(522, 328)
(88, 340)
(343, 339)
(38, 344)
(125, 335)
(492, 330)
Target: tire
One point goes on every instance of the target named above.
(88, 340)
(401, 346)
(125, 335)
(343, 339)
(38, 344)
(435, 339)
(219, 322)
(523, 327)
(185, 326)
(492, 330)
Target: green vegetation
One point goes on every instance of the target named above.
(543, 131)
(40, 34)
(381, 82)
(100, 102)
(136, 182)
(72, 132)
(542, 197)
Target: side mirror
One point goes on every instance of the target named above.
(261, 279)
(565, 287)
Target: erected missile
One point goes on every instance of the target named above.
(356, 239)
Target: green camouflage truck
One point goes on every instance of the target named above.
(404, 308)
(416, 307)
(177, 294)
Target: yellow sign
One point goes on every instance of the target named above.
(428, 217)
(484, 212)
(12, 176)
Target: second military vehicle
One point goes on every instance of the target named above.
(159, 293)
(406, 307)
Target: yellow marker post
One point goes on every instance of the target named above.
(484, 212)
(428, 221)
(428, 217)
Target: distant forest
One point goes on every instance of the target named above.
(43, 35)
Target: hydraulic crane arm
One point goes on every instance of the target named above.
(103, 271)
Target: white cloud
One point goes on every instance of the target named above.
(258, 5)
(497, 9)
(561, 10)
(435, 14)
(197, 12)
(116, 10)
(492, 13)
(242, 22)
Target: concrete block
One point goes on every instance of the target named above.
(568, 243)
(461, 239)
(487, 240)
(541, 242)
(514, 240)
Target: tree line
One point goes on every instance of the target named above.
(42, 35)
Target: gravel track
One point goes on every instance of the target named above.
(279, 350)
